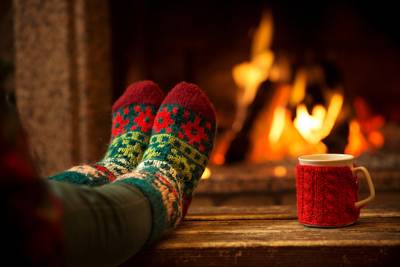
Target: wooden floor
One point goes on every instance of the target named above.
(271, 236)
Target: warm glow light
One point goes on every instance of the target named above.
(218, 159)
(376, 139)
(274, 134)
(365, 131)
(278, 124)
(248, 77)
(309, 126)
(250, 74)
(299, 88)
(263, 36)
(335, 106)
(280, 171)
(357, 143)
(316, 126)
(206, 174)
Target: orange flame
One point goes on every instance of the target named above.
(319, 124)
(275, 135)
(357, 143)
(278, 124)
(364, 131)
(206, 174)
(250, 74)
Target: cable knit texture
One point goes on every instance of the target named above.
(182, 139)
(326, 196)
(132, 119)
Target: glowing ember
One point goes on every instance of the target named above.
(309, 126)
(299, 88)
(274, 134)
(278, 124)
(376, 139)
(206, 174)
(365, 131)
(316, 126)
(356, 142)
(280, 171)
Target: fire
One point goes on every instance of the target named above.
(309, 126)
(206, 174)
(364, 131)
(299, 88)
(250, 74)
(275, 135)
(278, 124)
(356, 142)
(280, 171)
(316, 126)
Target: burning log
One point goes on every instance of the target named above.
(240, 145)
(277, 118)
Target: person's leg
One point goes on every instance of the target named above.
(182, 139)
(106, 225)
(132, 118)
(103, 226)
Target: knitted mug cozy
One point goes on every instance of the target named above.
(326, 195)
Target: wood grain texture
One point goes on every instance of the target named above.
(271, 236)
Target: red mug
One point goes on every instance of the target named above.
(327, 190)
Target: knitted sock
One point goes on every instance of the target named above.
(132, 118)
(182, 138)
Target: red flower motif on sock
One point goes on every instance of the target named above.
(163, 121)
(119, 125)
(145, 120)
(194, 132)
(186, 114)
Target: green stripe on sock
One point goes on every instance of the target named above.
(78, 178)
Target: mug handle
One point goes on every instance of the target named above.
(371, 187)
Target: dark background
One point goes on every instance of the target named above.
(200, 41)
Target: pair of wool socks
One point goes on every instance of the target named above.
(159, 145)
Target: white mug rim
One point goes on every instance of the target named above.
(325, 158)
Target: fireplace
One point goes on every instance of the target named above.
(286, 79)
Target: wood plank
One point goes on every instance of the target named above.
(269, 256)
(221, 238)
(276, 233)
(270, 212)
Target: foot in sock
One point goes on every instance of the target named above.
(132, 119)
(182, 138)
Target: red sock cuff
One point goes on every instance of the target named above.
(191, 97)
(143, 92)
